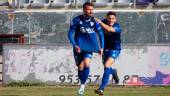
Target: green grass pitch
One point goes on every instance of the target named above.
(89, 91)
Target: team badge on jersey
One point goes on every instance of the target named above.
(80, 22)
(91, 23)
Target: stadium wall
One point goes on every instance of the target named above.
(54, 64)
(43, 27)
(145, 58)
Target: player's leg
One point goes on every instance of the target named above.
(115, 77)
(81, 77)
(87, 57)
(84, 76)
(85, 72)
(109, 57)
(80, 64)
(106, 74)
(114, 54)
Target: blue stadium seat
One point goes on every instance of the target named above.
(102, 3)
(60, 3)
(143, 2)
(40, 3)
(123, 2)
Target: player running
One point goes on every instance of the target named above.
(82, 35)
(112, 48)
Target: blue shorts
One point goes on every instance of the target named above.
(110, 53)
(79, 57)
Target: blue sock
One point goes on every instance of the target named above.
(112, 71)
(85, 74)
(105, 78)
(80, 75)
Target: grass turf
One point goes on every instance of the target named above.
(89, 91)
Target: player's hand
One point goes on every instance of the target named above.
(98, 20)
(101, 52)
(77, 48)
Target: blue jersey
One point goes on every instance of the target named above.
(112, 39)
(83, 33)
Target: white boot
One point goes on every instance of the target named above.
(81, 90)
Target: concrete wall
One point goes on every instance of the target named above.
(53, 64)
(52, 27)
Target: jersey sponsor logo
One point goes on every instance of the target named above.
(82, 29)
(90, 30)
(87, 30)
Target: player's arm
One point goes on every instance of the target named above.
(71, 33)
(106, 27)
(101, 38)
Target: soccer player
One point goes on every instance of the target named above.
(82, 35)
(112, 48)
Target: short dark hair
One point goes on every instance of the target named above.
(111, 13)
(87, 4)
